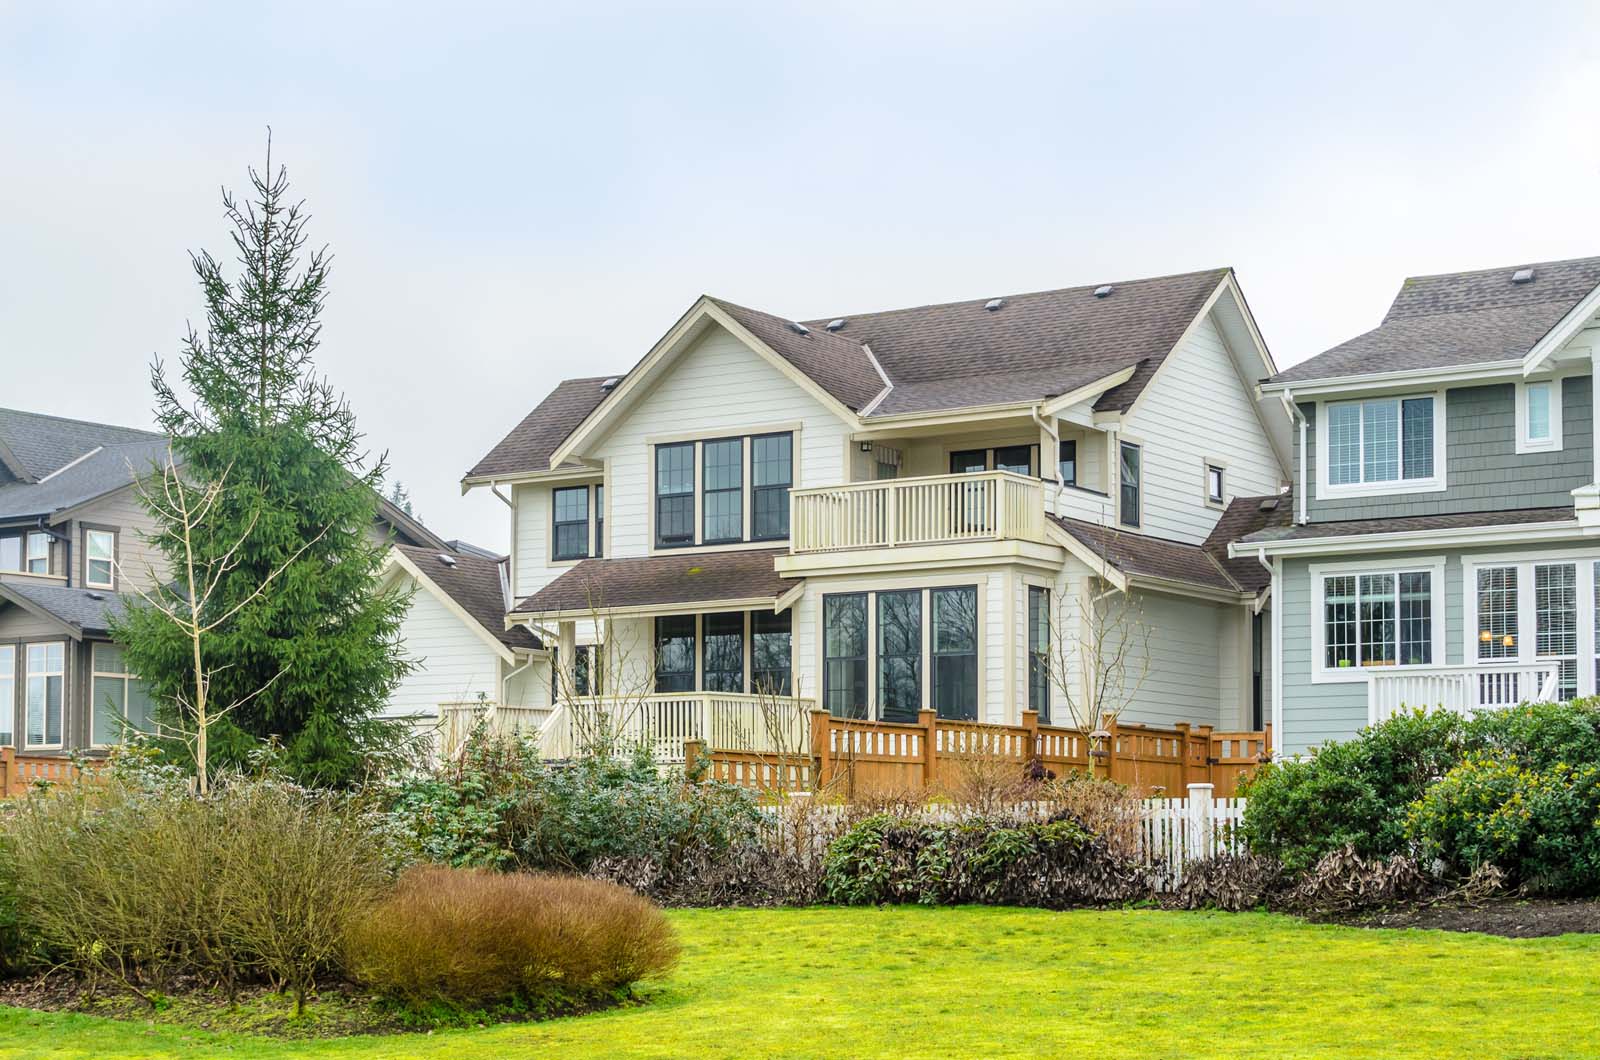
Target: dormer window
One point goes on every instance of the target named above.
(1381, 445)
(1539, 416)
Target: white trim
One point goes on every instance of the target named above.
(1455, 537)
(89, 559)
(28, 675)
(1525, 443)
(1524, 561)
(27, 552)
(1388, 487)
(1394, 382)
(1431, 565)
(1577, 318)
(1276, 591)
(399, 559)
(1207, 465)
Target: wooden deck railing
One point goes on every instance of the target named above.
(930, 510)
(19, 772)
(861, 757)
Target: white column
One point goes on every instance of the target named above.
(1594, 408)
(567, 641)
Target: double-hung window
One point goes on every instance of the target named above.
(43, 681)
(38, 554)
(8, 693)
(675, 653)
(571, 522)
(955, 652)
(770, 653)
(1376, 618)
(1130, 475)
(1509, 620)
(722, 652)
(675, 494)
(1380, 441)
(121, 701)
(722, 471)
(844, 660)
(1039, 652)
(99, 553)
(772, 474)
(899, 655)
(885, 635)
(1539, 416)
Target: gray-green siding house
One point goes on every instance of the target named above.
(1440, 547)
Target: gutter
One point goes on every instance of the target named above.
(1291, 407)
(1448, 537)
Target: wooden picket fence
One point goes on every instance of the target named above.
(1175, 833)
(19, 772)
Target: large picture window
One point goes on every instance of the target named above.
(899, 655)
(844, 678)
(722, 648)
(1380, 440)
(571, 535)
(955, 653)
(1377, 619)
(771, 653)
(1132, 459)
(8, 693)
(1039, 652)
(723, 475)
(772, 474)
(675, 653)
(121, 701)
(45, 678)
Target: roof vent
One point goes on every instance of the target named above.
(610, 383)
(994, 303)
(1102, 291)
(837, 323)
(1270, 504)
(799, 328)
(1522, 276)
(448, 561)
(95, 596)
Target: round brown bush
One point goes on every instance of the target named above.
(476, 938)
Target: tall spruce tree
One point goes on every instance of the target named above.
(311, 658)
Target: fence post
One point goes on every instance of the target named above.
(1201, 827)
(820, 721)
(692, 750)
(1203, 737)
(929, 720)
(1105, 766)
(1030, 740)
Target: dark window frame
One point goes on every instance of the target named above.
(557, 523)
(911, 653)
(939, 696)
(1124, 486)
(723, 618)
(859, 664)
(677, 676)
(600, 520)
(1063, 461)
(1218, 474)
(760, 490)
(1039, 652)
(676, 541)
(706, 492)
(761, 681)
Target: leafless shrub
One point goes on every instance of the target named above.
(1344, 881)
(1229, 883)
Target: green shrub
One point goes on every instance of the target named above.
(143, 887)
(1540, 826)
(1354, 793)
(886, 859)
(1540, 735)
(481, 939)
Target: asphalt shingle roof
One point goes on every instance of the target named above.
(677, 578)
(530, 443)
(1245, 516)
(472, 580)
(43, 444)
(1459, 318)
(1409, 524)
(1137, 554)
(89, 610)
(111, 468)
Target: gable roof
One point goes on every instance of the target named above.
(40, 444)
(1245, 516)
(1459, 318)
(81, 611)
(474, 582)
(936, 358)
(101, 471)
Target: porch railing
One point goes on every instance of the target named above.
(456, 719)
(664, 722)
(935, 509)
(1463, 688)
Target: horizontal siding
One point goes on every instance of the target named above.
(453, 663)
(137, 559)
(1182, 673)
(1483, 470)
(1198, 408)
(1312, 713)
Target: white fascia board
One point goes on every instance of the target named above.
(586, 473)
(1455, 537)
(402, 561)
(1174, 587)
(1577, 318)
(1057, 405)
(1086, 555)
(1348, 384)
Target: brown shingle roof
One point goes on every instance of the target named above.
(473, 581)
(1136, 554)
(530, 443)
(838, 365)
(1459, 318)
(646, 581)
(1247, 515)
(1411, 524)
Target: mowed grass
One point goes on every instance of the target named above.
(916, 982)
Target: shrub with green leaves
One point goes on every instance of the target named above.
(1540, 826)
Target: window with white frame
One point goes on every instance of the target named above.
(44, 679)
(1539, 416)
(8, 693)
(121, 702)
(11, 553)
(99, 552)
(38, 554)
(1380, 441)
(1497, 613)
(1533, 612)
(1376, 618)
(1555, 600)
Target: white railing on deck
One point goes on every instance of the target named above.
(456, 720)
(1462, 688)
(664, 722)
(936, 509)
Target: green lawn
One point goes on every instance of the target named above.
(1010, 982)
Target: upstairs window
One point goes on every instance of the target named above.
(772, 474)
(599, 520)
(1067, 462)
(1214, 484)
(99, 550)
(1132, 459)
(1380, 440)
(11, 553)
(571, 523)
(675, 494)
(1539, 416)
(38, 554)
(1018, 459)
(723, 475)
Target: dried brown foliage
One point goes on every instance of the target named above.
(1344, 881)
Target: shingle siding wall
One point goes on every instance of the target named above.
(1484, 472)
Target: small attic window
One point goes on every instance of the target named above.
(1103, 291)
(1522, 276)
(799, 328)
(994, 303)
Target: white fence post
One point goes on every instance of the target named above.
(1200, 829)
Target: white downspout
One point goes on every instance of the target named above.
(1054, 431)
(1276, 570)
(1300, 479)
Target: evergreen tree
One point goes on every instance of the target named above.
(308, 660)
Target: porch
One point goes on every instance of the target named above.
(1463, 688)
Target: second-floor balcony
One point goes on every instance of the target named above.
(931, 510)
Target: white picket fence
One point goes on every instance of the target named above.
(1176, 832)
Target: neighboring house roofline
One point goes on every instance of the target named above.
(13, 465)
(1362, 381)
(413, 526)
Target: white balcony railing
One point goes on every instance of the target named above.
(935, 509)
(664, 722)
(456, 720)
(1462, 688)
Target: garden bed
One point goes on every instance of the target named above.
(1527, 918)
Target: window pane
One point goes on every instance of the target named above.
(899, 655)
(1416, 619)
(1067, 462)
(8, 693)
(1555, 593)
(1377, 619)
(724, 490)
(107, 659)
(967, 461)
(723, 668)
(1344, 444)
(572, 505)
(1538, 396)
(844, 620)
(1039, 652)
(599, 520)
(141, 707)
(1497, 613)
(1339, 620)
(772, 473)
(10, 553)
(1380, 441)
(955, 652)
(675, 494)
(1214, 483)
(770, 653)
(1418, 416)
(675, 653)
(99, 547)
(108, 694)
(38, 554)
(571, 522)
(1017, 458)
(1130, 484)
(675, 520)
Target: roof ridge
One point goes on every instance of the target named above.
(1500, 268)
(85, 423)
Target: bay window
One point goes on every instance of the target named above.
(44, 679)
(1376, 618)
(844, 654)
(899, 655)
(121, 702)
(885, 635)
(1378, 441)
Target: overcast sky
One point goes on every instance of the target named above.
(512, 197)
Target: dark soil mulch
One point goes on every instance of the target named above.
(1513, 918)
